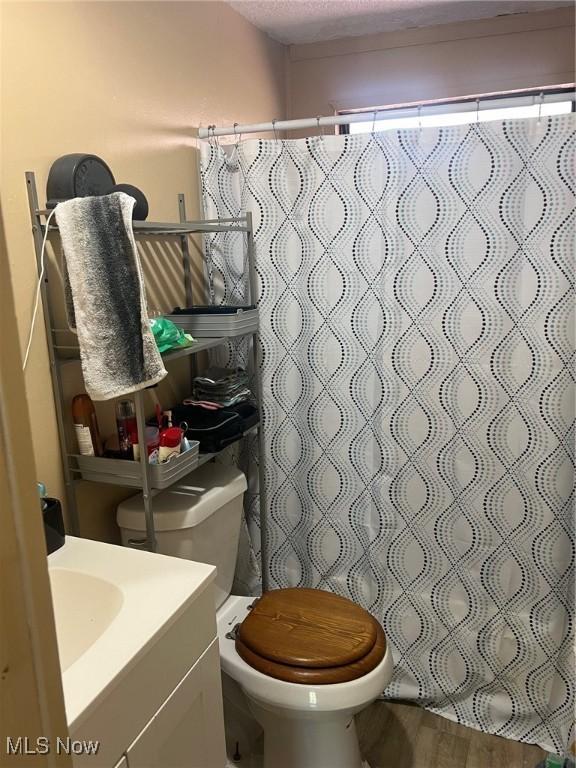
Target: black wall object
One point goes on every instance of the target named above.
(140, 211)
(77, 175)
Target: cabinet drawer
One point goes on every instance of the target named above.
(188, 730)
(127, 707)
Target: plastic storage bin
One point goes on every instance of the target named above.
(126, 472)
(198, 520)
(227, 321)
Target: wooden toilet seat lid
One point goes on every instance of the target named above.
(310, 636)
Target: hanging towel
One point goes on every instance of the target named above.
(117, 347)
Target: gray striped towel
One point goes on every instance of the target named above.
(117, 348)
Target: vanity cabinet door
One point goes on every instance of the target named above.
(188, 730)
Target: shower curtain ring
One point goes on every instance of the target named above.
(477, 111)
(420, 117)
(274, 121)
(374, 122)
(237, 136)
(540, 106)
(318, 125)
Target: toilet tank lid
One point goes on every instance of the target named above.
(196, 497)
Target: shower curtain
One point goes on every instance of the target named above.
(416, 298)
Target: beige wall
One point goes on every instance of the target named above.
(126, 81)
(415, 65)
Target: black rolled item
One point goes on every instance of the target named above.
(140, 212)
(77, 175)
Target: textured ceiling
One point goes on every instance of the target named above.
(306, 21)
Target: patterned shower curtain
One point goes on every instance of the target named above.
(416, 297)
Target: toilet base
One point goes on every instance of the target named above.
(308, 740)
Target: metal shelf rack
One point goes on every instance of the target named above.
(142, 477)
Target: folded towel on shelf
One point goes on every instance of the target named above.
(223, 386)
(208, 404)
(117, 347)
(219, 401)
(221, 377)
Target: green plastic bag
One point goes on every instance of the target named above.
(167, 335)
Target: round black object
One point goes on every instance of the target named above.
(77, 175)
(140, 211)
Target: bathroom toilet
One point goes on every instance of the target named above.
(306, 660)
(306, 725)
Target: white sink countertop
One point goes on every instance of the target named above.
(111, 605)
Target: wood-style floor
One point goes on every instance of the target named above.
(397, 735)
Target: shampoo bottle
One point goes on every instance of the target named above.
(86, 426)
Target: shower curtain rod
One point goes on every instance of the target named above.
(488, 102)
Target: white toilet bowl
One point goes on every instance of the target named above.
(305, 726)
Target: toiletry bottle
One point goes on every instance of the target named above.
(86, 426)
(170, 444)
(42, 493)
(126, 422)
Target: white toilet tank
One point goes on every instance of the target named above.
(199, 519)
